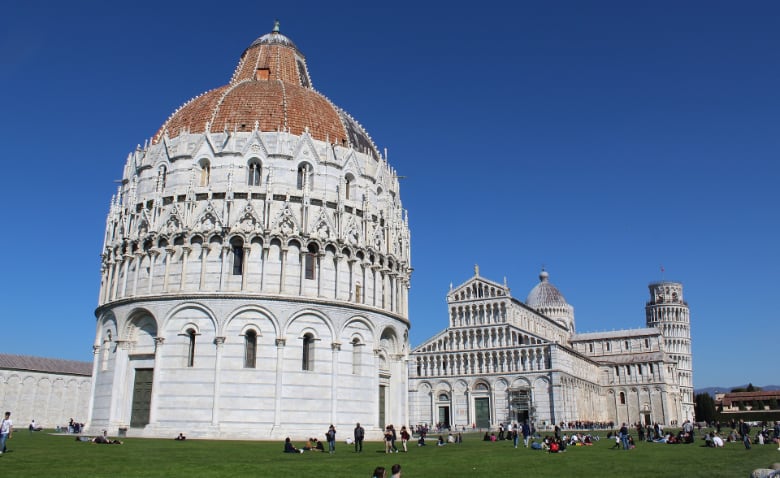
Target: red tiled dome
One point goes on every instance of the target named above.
(270, 87)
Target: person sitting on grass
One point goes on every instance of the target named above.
(180, 437)
(104, 440)
(289, 448)
(441, 441)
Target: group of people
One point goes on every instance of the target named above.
(100, 439)
(513, 431)
(391, 437)
(312, 444)
(380, 472)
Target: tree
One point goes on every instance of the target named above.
(704, 407)
(773, 404)
(750, 388)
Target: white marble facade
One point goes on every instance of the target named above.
(254, 278)
(49, 391)
(504, 360)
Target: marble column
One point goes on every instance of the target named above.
(158, 346)
(219, 342)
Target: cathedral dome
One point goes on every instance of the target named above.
(270, 90)
(545, 295)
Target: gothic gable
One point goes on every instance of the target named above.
(286, 223)
(322, 226)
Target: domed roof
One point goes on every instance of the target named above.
(271, 90)
(544, 294)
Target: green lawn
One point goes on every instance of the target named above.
(42, 454)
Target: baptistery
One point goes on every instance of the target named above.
(255, 268)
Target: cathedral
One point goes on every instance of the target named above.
(255, 268)
(501, 360)
(254, 284)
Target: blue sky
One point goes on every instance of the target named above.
(599, 139)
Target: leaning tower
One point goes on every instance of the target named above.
(668, 312)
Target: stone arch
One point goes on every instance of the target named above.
(252, 315)
(357, 326)
(140, 331)
(389, 341)
(203, 317)
(312, 319)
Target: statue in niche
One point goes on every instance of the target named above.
(173, 225)
(323, 232)
(353, 236)
(287, 227)
(143, 229)
(248, 224)
(207, 223)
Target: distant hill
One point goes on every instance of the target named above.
(713, 390)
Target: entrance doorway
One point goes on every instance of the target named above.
(142, 397)
(482, 412)
(444, 417)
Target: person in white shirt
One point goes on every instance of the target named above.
(6, 431)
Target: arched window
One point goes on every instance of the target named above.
(255, 170)
(162, 174)
(305, 176)
(237, 253)
(310, 262)
(307, 357)
(626, 344)
(250, 349)
(608, 347)
(205, 172)
(356, 345)
(191, 348)
(622, 398)
(349, 184)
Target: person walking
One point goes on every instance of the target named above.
(526, 433)
(6, 431)
(744, 430)
(404, 437)
(331, 436)
(360, 434)
(624, 436)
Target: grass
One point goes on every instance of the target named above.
(43, 454)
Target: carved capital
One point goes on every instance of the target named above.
(336, 346)
(281, 342)
(96, 349)
(158, 341)
(219, 341)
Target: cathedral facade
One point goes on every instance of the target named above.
(504, 360)
(256, 268)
